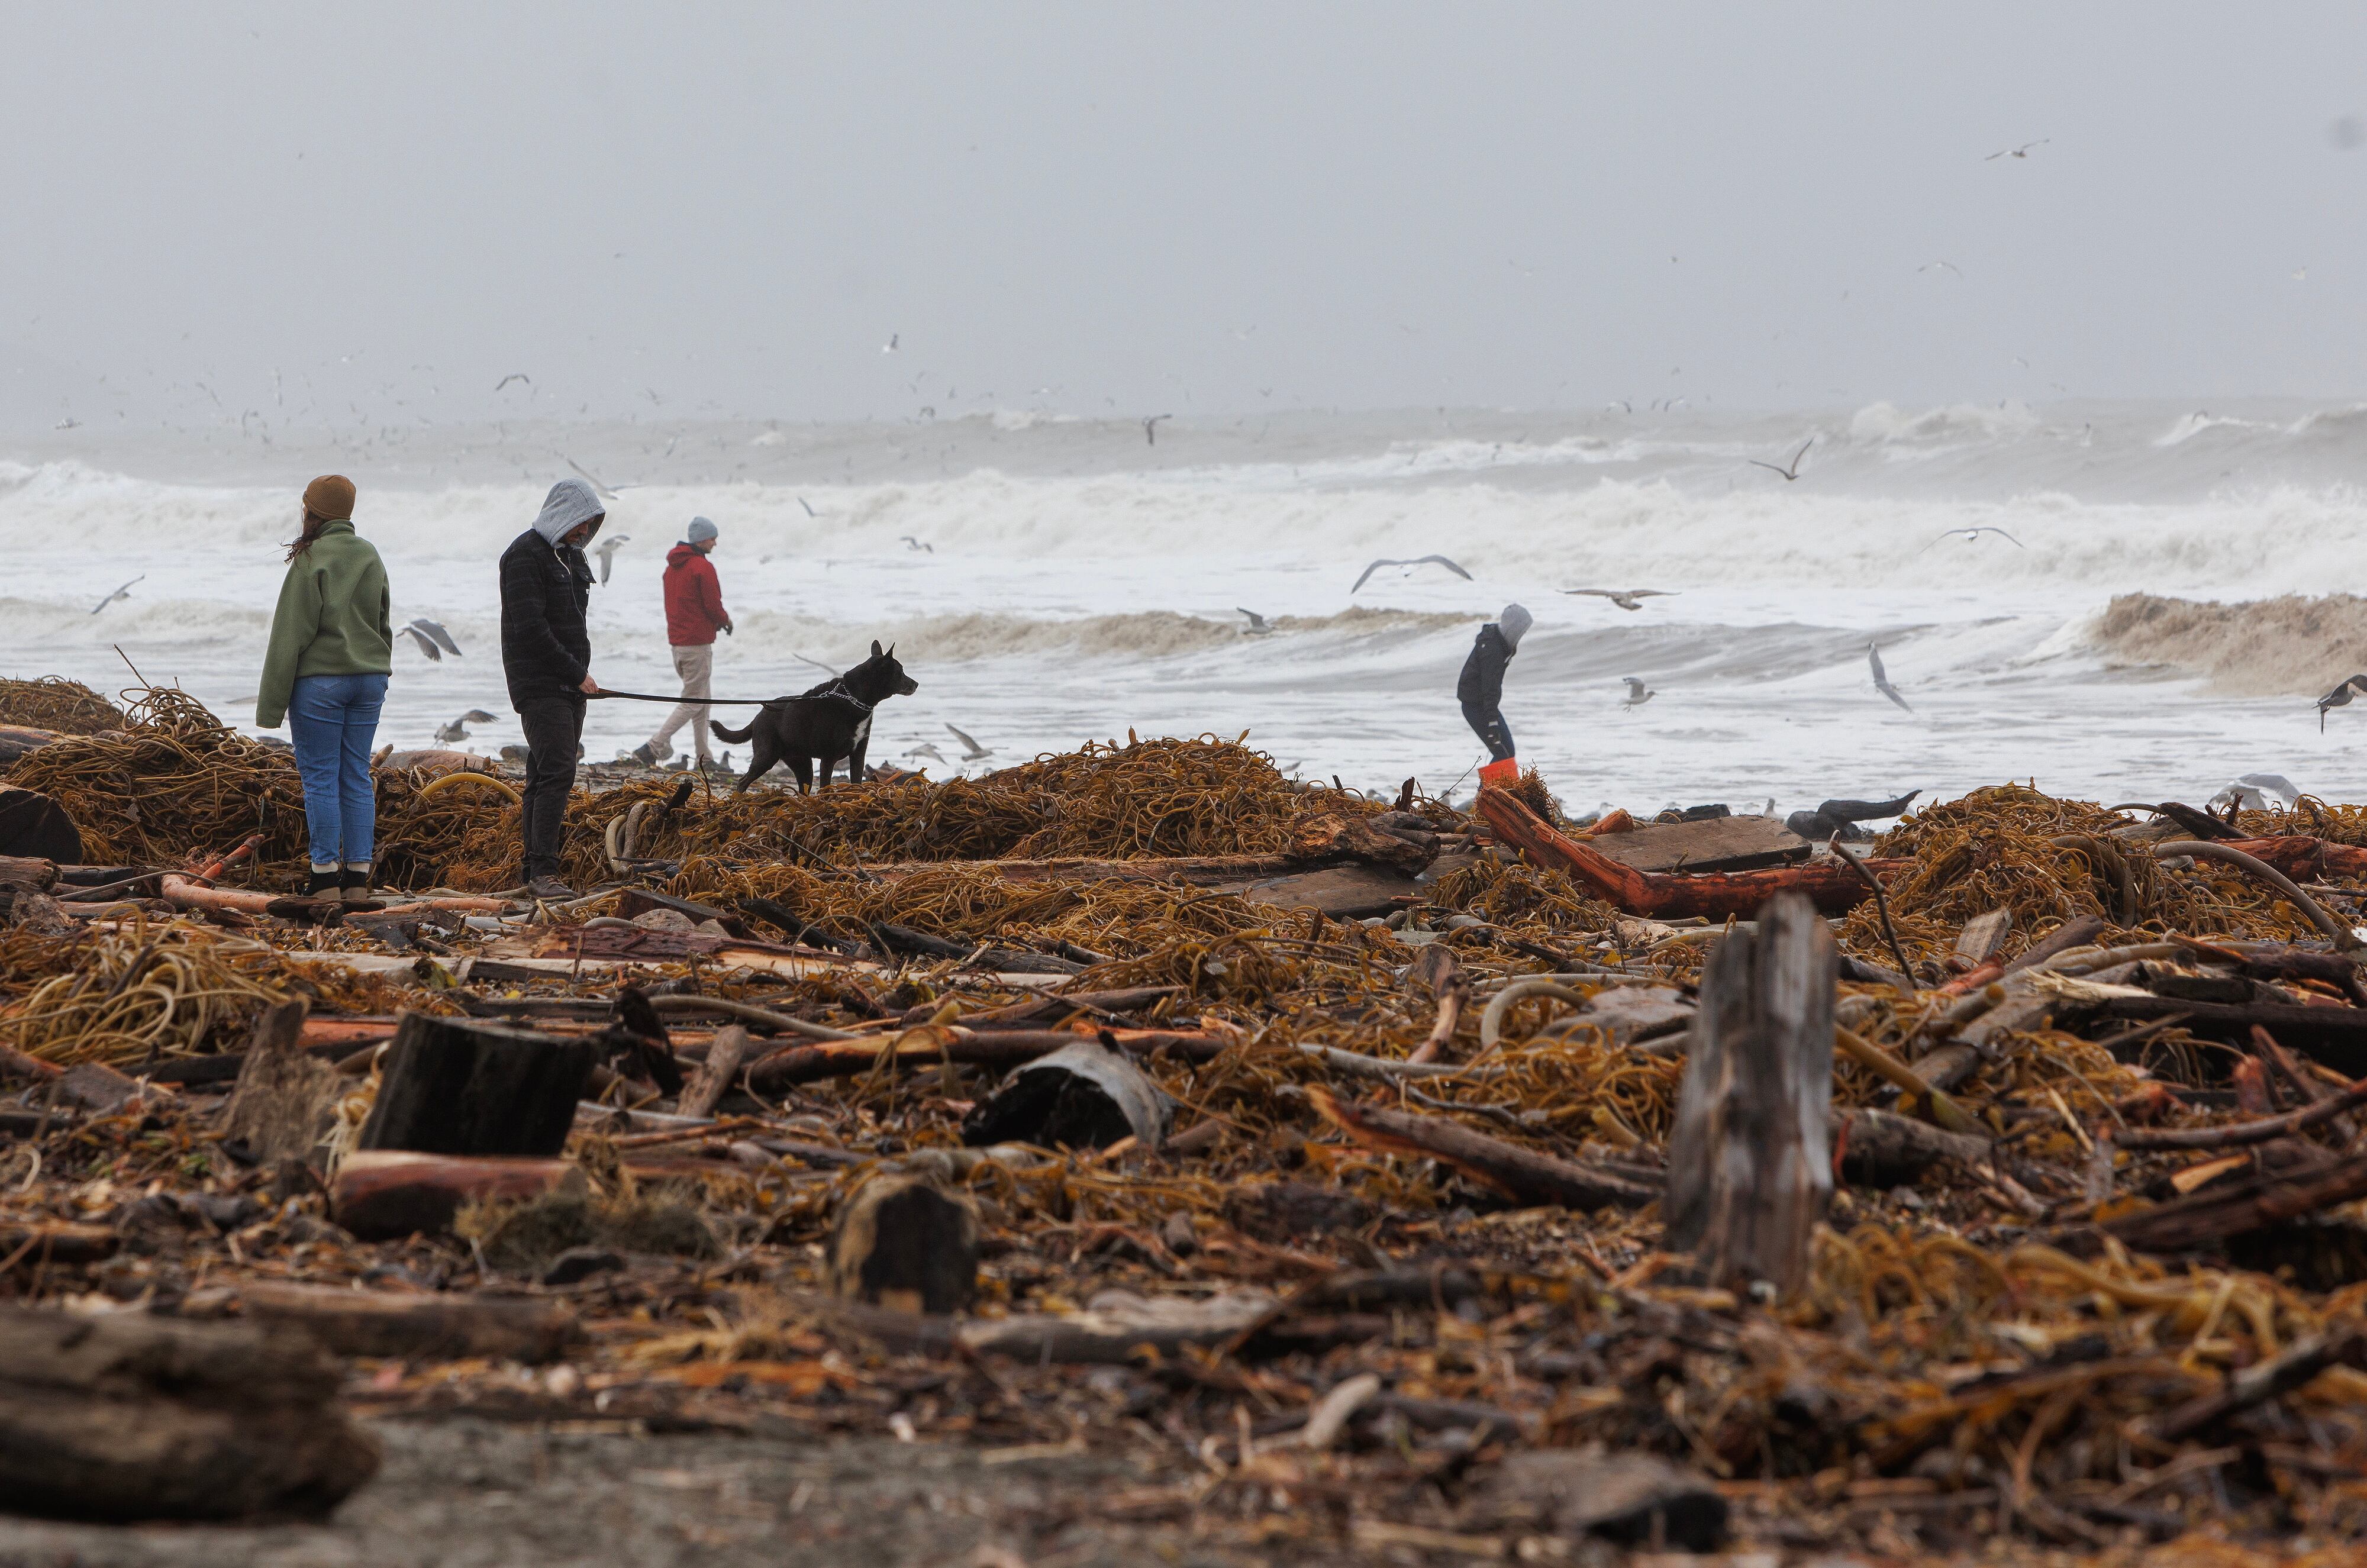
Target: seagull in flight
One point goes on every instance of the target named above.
(928, 749)
(433, 639)
(1638, 693)
(971, 751)
(2020, 152)
(1793, 471)
(607, 492)
(1950, 267)
(912, 544)
(459, 728)
(1882, 679)
(894, 340)
(2338, 697)
(607, 551)
(1626, 598)
(1150, 428)
(513, 376)
(1258, 626)
(809, 507)
(1417, 560)
(1970, 535)
(122, 593)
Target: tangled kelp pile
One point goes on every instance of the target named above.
(54, 703)
(2064, 1300)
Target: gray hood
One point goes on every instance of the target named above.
(1514, 624)
(570, 502)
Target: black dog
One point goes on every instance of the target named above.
(829, 722)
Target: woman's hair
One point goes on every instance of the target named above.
(313, 523)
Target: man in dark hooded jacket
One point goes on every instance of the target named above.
(1480, 690)
(547, 658)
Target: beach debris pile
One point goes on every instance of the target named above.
(1392, 1178)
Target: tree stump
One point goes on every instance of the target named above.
(129, 1417)
(286, 1100)
(457, 1087)
(904, 1242)
(1749, 1173)
(32, 824)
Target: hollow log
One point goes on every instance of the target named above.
(904, 1242)
(1749, 1174)
(457, 1087)
(930, 1044)
(1085, 1095)
(1522, 1175)
(128, 1417)
(1830, 886)
(415, 1325)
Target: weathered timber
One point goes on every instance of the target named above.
(2335, 1037)
(1521, 1174)
(2239, 1205)
(1982, 936)
(286, 1099)
(381, 1194)
(39, 872)
(1343, 892)
(906, 1243)
(32, 824)
(716, 1076)
(930, 1044)
(16, 739)
(1829, 885)
(1749, 1173)
(1714, 843)
(129, 1417)
(457, 1087)
(415, 1324)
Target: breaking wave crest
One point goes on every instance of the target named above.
(2289, 645)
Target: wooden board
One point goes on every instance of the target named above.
(1348, 892)
(1719, 843)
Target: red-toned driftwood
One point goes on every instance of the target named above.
(1829, 885)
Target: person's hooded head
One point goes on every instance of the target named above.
(1514, 623)
(570, 505)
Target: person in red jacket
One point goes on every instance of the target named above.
(695, 612)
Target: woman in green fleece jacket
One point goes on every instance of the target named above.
(332, 651)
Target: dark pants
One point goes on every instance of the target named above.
(554, 732)
(1488, 723)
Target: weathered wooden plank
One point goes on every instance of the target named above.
(1714, 843)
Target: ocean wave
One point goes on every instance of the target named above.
(1151, 634)
(2289, 645)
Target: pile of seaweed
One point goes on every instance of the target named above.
(54, 703)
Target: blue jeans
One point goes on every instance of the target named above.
(332, 719)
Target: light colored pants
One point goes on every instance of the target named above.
(696, 668)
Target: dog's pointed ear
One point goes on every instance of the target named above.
(891, 650)
(874, 648)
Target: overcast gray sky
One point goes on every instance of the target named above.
(726, 209)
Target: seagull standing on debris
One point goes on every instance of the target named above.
(971, 749)
(457, 730)
(1417, 560)
(1626, 598)
(1882, 679)
(122, 593)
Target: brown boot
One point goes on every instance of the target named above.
(353, 887)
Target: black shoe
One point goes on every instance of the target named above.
(548, 889)
(353, 887)
(320, 882)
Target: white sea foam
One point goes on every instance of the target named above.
(1078, 581)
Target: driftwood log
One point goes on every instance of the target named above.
(1829, 885)
(717, 1076)
(930, 1044)
(456, 1087)
(415, 1324)
(1519, 1174)
(286, 1098)
(1749, 1170)
(130, 1416)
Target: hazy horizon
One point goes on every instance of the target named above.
(268, 216)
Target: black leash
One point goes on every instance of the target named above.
(700, 701)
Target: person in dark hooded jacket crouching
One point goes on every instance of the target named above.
(1480, 690)
(546, 658)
